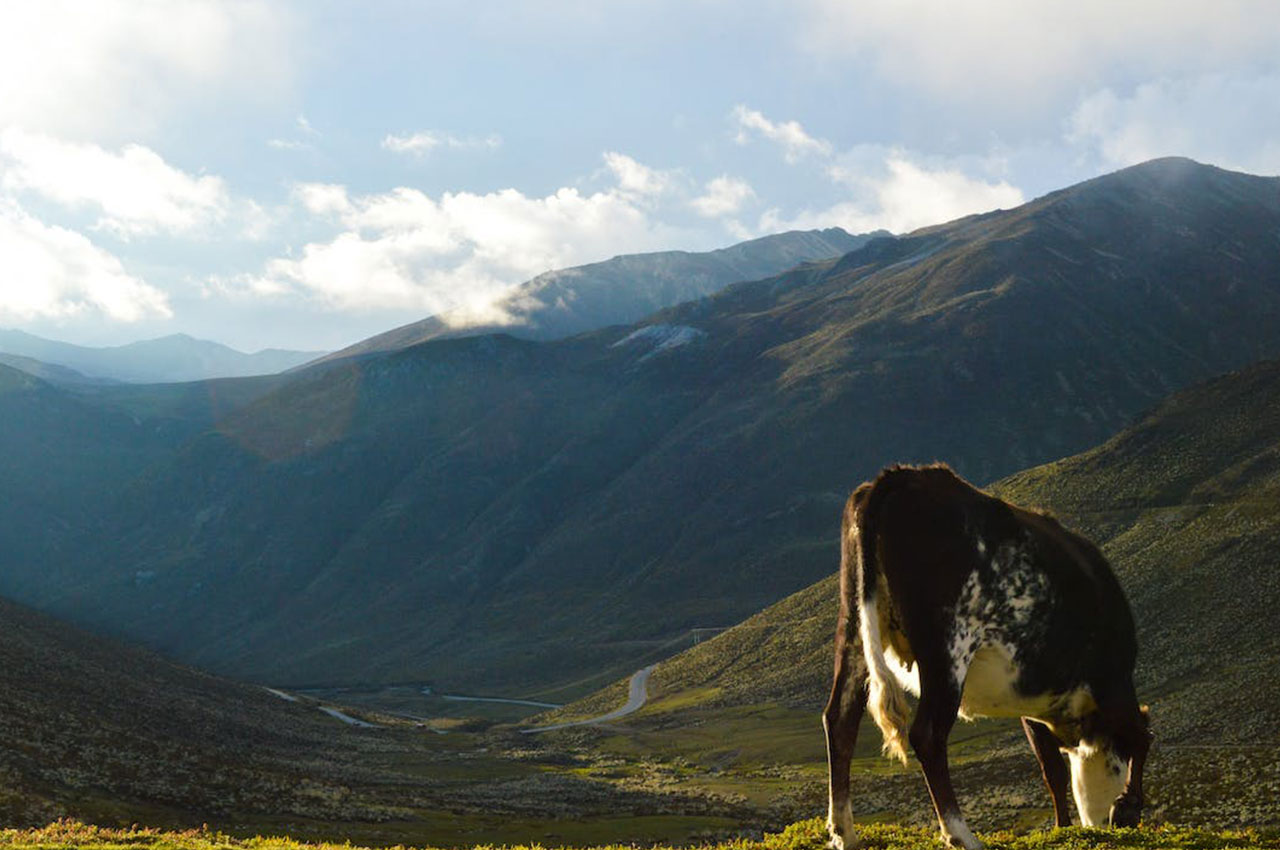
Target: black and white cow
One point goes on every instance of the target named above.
(981, 608)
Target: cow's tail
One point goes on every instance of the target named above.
(886, 700)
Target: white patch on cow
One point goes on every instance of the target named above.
(982, 548)
(1097, 778)
(957, 833)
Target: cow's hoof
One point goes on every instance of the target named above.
(1126, 811)
(840, 842)
(961, 842)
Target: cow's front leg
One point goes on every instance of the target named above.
(1052, 766)
(936, 714)
(840, 719)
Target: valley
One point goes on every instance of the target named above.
(403, 561)
(536, 519)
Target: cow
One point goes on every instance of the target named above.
(981, 608)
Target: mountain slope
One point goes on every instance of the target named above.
(1186, 505)
(503, 515)
(103, 731)
(167, 359)
(622, 290)
(46, 371)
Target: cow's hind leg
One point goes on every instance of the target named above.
(841, 718)
(1052, 766)
(941, 685)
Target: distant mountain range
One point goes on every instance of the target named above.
(516, 516)
(168, 359)
(622, 290)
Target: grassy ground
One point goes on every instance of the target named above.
(806, 835)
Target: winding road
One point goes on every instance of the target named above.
(637, 695)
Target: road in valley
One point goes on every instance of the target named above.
(637, 695)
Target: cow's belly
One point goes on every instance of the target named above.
(990, 688)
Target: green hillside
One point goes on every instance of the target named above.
(108, 734)
(1186, 504)
(493, 515)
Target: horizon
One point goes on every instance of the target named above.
(304, 176)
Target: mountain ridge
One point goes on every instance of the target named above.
(620, 290)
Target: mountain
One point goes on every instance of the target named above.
(168, 359)
(502, 515)
(1186, 505)
(622, 290)
(47, 371)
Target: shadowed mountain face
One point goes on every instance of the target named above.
(622, 290)
(105, 732)
(497, 514)
(167, 359)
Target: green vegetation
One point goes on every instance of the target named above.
(806, 835)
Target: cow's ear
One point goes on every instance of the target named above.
(1145, 710)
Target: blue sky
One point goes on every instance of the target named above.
(306, 174)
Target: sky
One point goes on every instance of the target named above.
(306, 174)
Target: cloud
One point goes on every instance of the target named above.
(404, 249)
(898, 195)
(723, 196)
(322, 198)
(990, 51)
(115, 69)
(52, 272)
(135, 191)
(1230, 122)
(636, 179)
(795, 142)
(425, 141)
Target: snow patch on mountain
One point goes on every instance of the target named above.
(661, 338)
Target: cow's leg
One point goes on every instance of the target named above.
(1052, 766)
(841, 718)
(941, 685)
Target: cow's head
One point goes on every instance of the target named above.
(1106, 775)
(1098, 774)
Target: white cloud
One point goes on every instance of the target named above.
(114, 69)
(425, 141)
(404, 249)
(899, 195)
(323, 198)
(636, 179)
(989, 51)
(723, 196)
(52, 272)
(1231, 122)
(135, 190)
(790, 135)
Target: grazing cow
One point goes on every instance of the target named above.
(981, 608)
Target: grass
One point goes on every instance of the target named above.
(805, 835)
